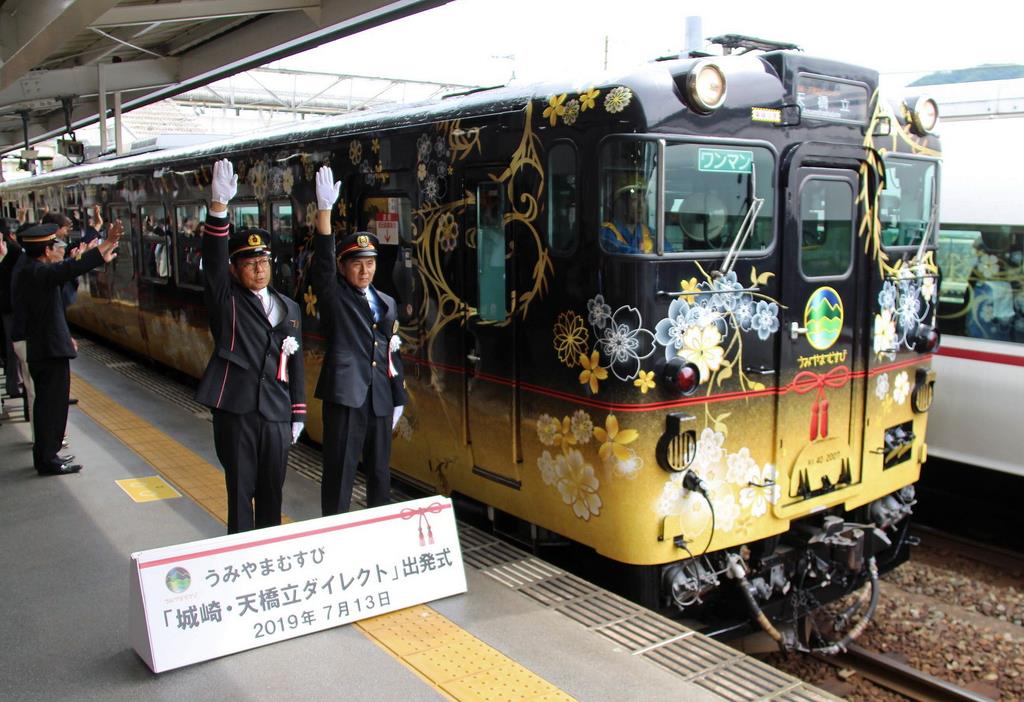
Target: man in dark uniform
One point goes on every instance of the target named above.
(361, 379)
(10, 360)
(255, 381)
(48, 343)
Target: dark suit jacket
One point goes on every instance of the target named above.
(6, 271)
(38, 290)
(357, 347)
(241, 375)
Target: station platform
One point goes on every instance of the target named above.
(524, 630)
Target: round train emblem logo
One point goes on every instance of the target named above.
(823, 318)
(178, 580)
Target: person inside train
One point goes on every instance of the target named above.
(94, 228)
(627, 231)
(48, 344)
(361, 382)
(254, 382)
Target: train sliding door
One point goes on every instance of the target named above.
(820, 416)
(490, 358)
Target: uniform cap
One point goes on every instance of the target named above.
(357, 245)
(248, 243)
(38, 234)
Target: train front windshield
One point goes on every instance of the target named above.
(708, 191)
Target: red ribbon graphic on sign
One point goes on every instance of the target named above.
(806, 381)
(432, 508)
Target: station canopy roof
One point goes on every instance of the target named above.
(56, 56)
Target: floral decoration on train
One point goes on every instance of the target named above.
(705, 326)
(707, 322)
(906, 300)
(569, 108)
(740, 490)
(569, 465)
(621, 343)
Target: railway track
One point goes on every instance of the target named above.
(1011, 561)
(895, 675)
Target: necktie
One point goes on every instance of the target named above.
(370, 302)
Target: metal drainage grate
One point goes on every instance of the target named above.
(491, 555)
(745, 679)
(516, 574)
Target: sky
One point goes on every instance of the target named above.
(486, 42)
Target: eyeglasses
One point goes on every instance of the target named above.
(255, 264)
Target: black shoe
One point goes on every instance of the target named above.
(66, 458)
(72, 400)
(62, 469)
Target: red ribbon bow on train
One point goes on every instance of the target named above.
(806, 381)
(432, 508)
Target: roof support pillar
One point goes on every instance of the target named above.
(101, 82)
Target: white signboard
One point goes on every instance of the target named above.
(201, 600)
(387, 227)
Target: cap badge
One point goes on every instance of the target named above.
(363, 241)
(255, 240)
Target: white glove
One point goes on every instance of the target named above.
(225, 182)
(396, 416)
(297, 428)
(327, 189)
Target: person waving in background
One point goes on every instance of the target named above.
(255, 380)
(361, 381)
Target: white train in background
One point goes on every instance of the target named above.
(977, 415)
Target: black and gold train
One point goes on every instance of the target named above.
(684, 317)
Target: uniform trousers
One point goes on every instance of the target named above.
(254, 453)
(352, 434)
(28, 387)
(52, 380)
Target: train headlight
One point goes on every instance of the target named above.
(705, 87)
(680, 376)
(924, 114)
(924, 390)
(925, 339)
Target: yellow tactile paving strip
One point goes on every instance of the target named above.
(456, 663)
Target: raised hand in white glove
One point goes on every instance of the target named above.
(396, 416)
(297, 428)
(225, 182)
(326, 188)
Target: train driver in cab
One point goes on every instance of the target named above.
(361, 379)
(255, 381)
(627, 231)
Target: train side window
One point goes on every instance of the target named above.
(490, 252)
(156, 243)
(907, 204)
(282, 246)
(980, 294)
(123, 266)
(188, 244)
(629, 192)
(245, 214)
(826, 228)
(562, 197)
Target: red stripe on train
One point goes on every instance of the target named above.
(984, 356)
